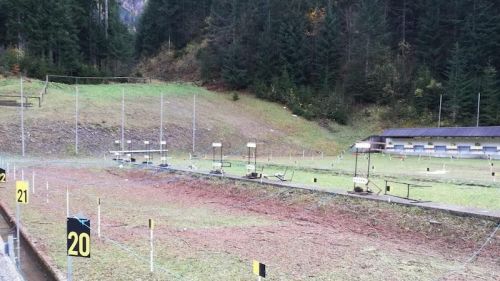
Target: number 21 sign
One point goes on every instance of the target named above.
(22, 194)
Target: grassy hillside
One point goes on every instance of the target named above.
(50, 129)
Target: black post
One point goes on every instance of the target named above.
(385, 190)
(408, 193)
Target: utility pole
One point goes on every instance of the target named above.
(161, 122)
(76, 121)
(123, 119)
(194, 121)
(22, 118)
(440, 106)
(478, 108)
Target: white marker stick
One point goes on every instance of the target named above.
(67, 202)
(47, 191)
(151, 262)
(33, 180)
(99, 217)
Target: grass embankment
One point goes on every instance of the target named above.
(218, 118)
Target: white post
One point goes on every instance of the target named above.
(22, 117)
(440, 106)
(478, 107)
(22, 174)
(76, 121)
(151, 263)
(161, 124)
(33, 181)
(47, 191)
(67, 202)
(99, 217)
(69, 276)
(194, 121)
(18, 225)
(123, 119)
(14, 168)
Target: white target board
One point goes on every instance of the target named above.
(360, 180)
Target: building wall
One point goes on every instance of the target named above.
(444, 147)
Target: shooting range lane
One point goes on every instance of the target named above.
(244, 222)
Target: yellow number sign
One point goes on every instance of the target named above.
(259, 269)
(78, 237)
(22, 194)
(2, 175)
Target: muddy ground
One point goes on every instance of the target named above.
(212, 230)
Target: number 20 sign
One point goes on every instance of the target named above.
(2, 175)
(78, 235)
(22, 194)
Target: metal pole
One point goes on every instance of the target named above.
(99, 217)
(47, 191)
(478, 108)
(33, 181)
(67, 202)
(440, 106)
(123, 119)
(70, 269)
(356, 164)
(18, 225)
(194, 121)
(76, 121)
(369, 160)
(255, 159)
(161, 124)
(22, 118)
(151, 263)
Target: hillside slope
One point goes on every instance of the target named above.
(50, 129)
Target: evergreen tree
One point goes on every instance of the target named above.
(329, 51)
(460, 99)
(490, 98)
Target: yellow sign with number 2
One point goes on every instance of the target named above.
(22, 194)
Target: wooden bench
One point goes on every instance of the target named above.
(26, 103)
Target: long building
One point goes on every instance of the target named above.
(463, 142)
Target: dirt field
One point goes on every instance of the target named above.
(212, 230)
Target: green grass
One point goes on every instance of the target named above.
(464, 185)
(218, 116)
